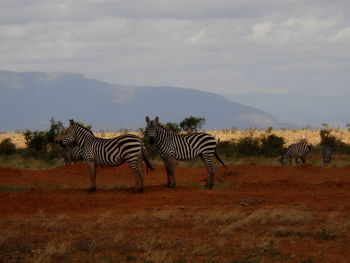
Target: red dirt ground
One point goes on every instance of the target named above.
(253, 214)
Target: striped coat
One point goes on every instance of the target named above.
(73, 155)
(173, 146)
(296, 151)
(108, 152)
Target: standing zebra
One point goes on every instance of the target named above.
(74, 154)
(327, 154)
(296, 151)
(108, 152)
(173, 146)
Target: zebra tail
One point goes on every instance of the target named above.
(147, 162)
(218, 158)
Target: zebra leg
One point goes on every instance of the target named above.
(211, 170)
(169, 166)
(135, 167)
(296, 161)
(303, 159)
(92, 174)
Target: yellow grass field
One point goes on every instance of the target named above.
(290, 136)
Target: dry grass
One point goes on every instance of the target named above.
(167, 235)
(290, 136)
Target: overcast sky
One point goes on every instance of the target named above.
(221, 46)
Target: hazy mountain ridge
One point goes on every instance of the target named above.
(28, 100)
(301, 109)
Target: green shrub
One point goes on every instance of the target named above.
(43, 144)
(7, 147)
(330, 140)
(267, 146)
(271, 145)
(248, 146)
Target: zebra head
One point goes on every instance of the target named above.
(151, 129)
(70, 135)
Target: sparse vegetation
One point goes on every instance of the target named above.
(39, 149)
(116, 240)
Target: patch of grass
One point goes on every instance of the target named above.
(307, 260)
(219, 186)
(194, 185)
(326, 234)
(6, 188)
(54, 250)
(245, 259)
(18, 161)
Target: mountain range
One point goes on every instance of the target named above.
(29, 99)
(302, 110)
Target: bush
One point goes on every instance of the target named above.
(271, 145)
(7, 147)
(248, 146)
(43, 144)
(330, 140)
(268, 146)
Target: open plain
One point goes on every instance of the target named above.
(253, 214)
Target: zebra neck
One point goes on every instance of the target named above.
(84, 137)
(164, 136)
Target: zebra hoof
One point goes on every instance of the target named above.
(209, 186)
(92, 189)
(138, 190)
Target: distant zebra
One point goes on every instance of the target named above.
(327, 154)
(108, 152)
(73, 155)
(297, 151)
(173, 146)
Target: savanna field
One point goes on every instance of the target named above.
(257, 211)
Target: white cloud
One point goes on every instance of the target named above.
(219, 46)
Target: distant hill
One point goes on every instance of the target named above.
(28, 100)
(301, 109)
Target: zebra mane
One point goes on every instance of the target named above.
(163, 128)
(83, 128)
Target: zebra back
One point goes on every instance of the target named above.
(299, 149)
(106, 152)
(179, 146)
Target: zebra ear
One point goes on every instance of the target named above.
(147, 119)
(71, 121)
(156, 119)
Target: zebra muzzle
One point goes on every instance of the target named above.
(62, 144)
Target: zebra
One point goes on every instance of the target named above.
(108, 152)
(173, 146)
(327, 154)
(74, 154)
(297, 151)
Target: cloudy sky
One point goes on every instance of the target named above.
(222, 46)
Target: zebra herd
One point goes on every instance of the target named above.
(172, 146)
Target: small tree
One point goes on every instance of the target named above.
(44, 143)
(172, 126)
(7, 147)
(327, 139)
(325, 126)
(192, 124)
(347, 126)
(271, 145)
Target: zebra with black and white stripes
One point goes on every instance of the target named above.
(73, 155)
(173, 146)
(296, 151)
(108, 152)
